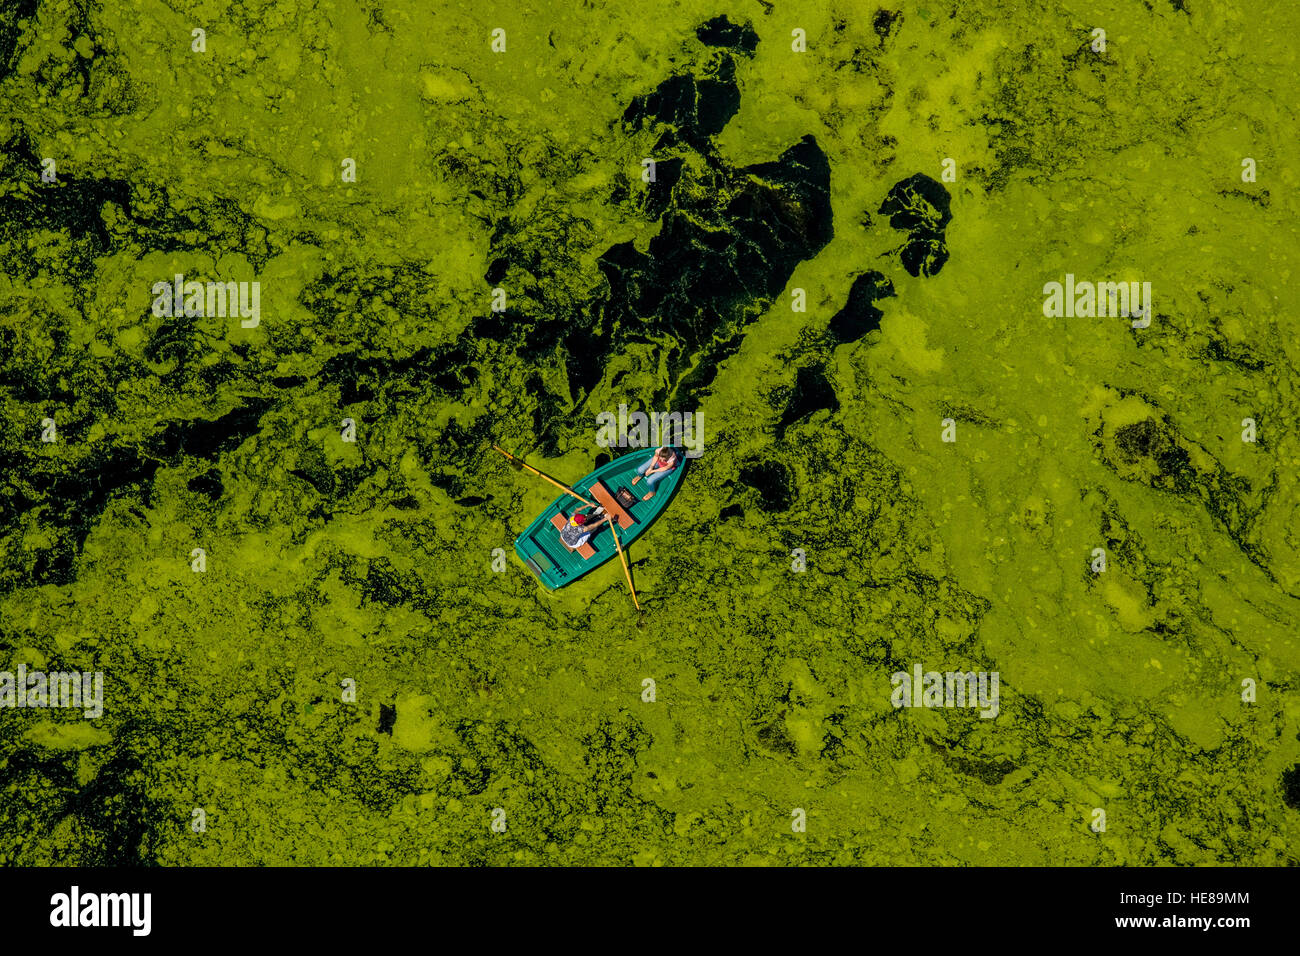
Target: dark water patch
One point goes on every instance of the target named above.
(695, 108)
(721, 32)
(583, 360)
(201, 438)
(720, 256)
(387, 718)
(884, 22)
(207, 484)
(1291, 787)
(917, 203)
(812, 392)
(549, 408)
(726, 242)
(360, 377)
(660, 190)
(772, 481)
(496, 326)
(860, 315)
(454, 377)
(454, 364)
(537, 339)
(919, 206)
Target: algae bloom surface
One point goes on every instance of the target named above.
(989, 554)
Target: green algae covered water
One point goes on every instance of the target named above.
(972, 568)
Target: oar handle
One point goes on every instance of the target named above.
(541, 474)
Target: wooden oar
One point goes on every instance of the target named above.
(626, 569)
(565, 488)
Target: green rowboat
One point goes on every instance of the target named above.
(610, 486)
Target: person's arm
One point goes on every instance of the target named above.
(660, 465)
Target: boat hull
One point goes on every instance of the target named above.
(540, 548)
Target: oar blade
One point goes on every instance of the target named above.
(618, 546)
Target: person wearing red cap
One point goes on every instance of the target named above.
(581, 527)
